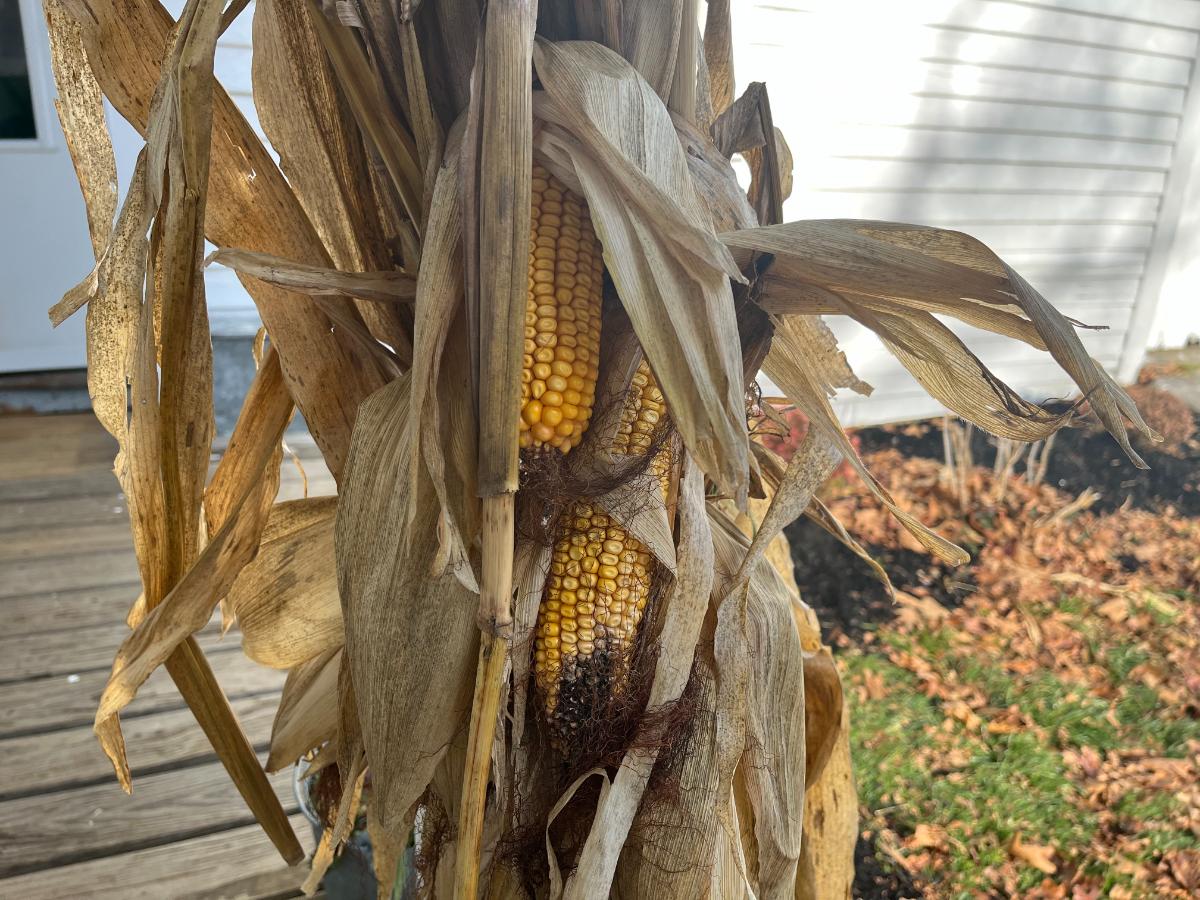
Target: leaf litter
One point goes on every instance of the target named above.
(1049, 687)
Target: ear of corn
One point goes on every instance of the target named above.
(599, 585)
(562, 319)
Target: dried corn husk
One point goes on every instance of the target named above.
(390, 271)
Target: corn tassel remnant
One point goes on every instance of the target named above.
(599, 585)
(562, 319)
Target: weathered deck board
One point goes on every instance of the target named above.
(67, 579)
(51, 703)
(74, 608)
(22, 542)
(61, 569)
(171, 737)
(75, 824)
(199, 866)
(76, 650)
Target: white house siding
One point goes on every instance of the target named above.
(1047, 129)
(1055, 130)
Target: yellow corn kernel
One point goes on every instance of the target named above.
(597, 593)
(562, 317)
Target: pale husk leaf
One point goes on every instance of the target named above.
(830, 825)
(613, 136)
(760, 711)
(650, 34)
(386, 286)
(286, 600)
(671, 851)
(402, 623)
(307, 713)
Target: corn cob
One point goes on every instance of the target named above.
(599, 584)
(562, 318)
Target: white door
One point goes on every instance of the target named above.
(44, 244)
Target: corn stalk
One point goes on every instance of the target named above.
(512, 283)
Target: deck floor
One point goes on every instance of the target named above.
(67, 579)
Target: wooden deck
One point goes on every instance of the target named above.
(67, 578)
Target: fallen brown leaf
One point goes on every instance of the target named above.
(1036, 855)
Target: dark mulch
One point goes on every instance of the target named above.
(847, 596)
(1086, 456)
(850, 601)
(875, 881)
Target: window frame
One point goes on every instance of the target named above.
(41, 84)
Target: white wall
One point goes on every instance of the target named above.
(1047, 128)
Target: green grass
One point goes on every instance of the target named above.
(915, 765)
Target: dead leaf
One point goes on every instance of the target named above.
(1037, 855)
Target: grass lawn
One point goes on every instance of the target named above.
(1052, 752)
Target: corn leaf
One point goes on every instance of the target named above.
(718, 54)
(286, 600)
(307, 713)
(251, 206)
(899, 262)
(80, 107)
(309, 123)
(402, 623)
(957, 378)
(385, 286)
(498, 148)
(800, 358)
(264, 416)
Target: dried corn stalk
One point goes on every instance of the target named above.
(504, 231)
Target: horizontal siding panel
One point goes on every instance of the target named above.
(1181, 14)
(1093, 263)
(1050, 55)
(867, 174)
(1066, 25)
(946, 143)
(966, 79)
(954, 208)
(797, 50)
(971, 112)
(1133, 28)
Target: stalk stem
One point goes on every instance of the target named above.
(495, 621)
